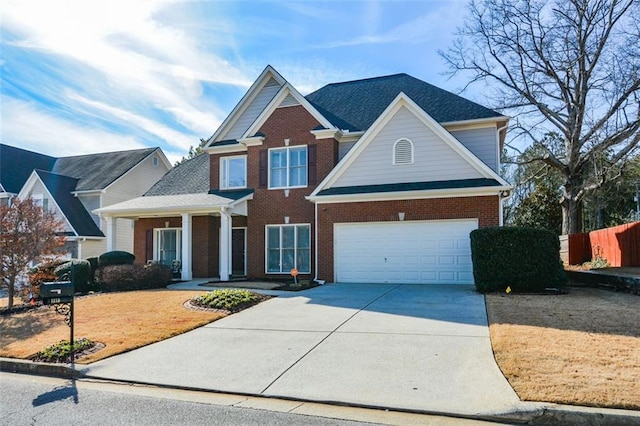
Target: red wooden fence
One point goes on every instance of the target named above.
(620, 245)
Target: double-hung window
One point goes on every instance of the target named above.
(233, 172)
(288, 167)
(288, 247)
(167, 245)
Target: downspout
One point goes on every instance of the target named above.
(315, 243)
(502, 194)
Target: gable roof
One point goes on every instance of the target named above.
(355, 105)
(97, 171)
(61, 187)
(267, 76)
(16, 165)
(189, 177)
(403, 101)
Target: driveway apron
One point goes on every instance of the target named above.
(416, 347)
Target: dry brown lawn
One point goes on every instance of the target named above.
(580, 348)
(122, 321)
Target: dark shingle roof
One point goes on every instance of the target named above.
(412, 186)
(190, 177)
(355, 105)
(16, 165)
(61, 188)
(234, 194)
(97, 171)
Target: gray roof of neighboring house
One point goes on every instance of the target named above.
(189, 177)
(97, 171)
(61, 187)
(411, 186)
(355, 105)
(16, 165)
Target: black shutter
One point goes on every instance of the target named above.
(264, 164)
(148, 248)
(312, 169)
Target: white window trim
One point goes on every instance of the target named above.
(395, 163)
(222, 180)
(287, 149)
(156, 241)
(266, 247)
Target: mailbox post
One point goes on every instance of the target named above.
(59, 295)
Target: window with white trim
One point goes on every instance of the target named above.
(288, 247)
(167, 245)
(288, 167)
(41, 201)
(402, 152)
(233, 172)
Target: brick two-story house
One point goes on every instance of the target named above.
(375, 180)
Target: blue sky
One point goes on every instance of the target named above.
(84, 76)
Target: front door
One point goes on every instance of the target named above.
(238, 252)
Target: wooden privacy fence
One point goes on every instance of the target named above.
(620, 245)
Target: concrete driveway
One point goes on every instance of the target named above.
(416, 347)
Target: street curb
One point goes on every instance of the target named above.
(63, 371)
(540, 413)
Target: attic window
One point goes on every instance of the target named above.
(155, 161)
(402, 152)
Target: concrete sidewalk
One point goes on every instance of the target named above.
(410, 347)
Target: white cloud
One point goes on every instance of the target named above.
(24, 125)
(141, 57)
(429, 27)
(171, 136)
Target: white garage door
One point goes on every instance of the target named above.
(411, 252)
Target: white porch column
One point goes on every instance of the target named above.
(187, 274)
(112, 227)
(225, 245)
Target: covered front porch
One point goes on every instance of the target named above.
(175, 228)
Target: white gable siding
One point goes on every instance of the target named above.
(252, 111)
(482, 142)
(39, 189)
(434, 159)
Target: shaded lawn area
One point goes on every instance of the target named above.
(580, 348)
(122, 321)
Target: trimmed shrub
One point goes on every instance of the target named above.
(525, 259)
(42, 272)
(116, 257)
(81, 274)
(133, 277)
(93, 262)
(228, 299)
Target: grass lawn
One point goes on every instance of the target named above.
(122, 321)
(580, 348)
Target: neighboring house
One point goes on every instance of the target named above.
(72, 187)
(375, 180)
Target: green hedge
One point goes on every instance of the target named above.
(133, 277)
(116, 258)
(81, 274)
(525, 259)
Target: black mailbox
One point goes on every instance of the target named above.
(57, 290)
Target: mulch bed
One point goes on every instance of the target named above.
(76, 356)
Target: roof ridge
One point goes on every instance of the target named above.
(38, 171)
(150, 149)
(359, 80)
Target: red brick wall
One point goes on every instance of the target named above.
(204, 241)
(486, 209)
(271, 206)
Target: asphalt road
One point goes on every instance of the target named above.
(31, 400)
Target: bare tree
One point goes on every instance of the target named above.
(569, 66)
(27, 233)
